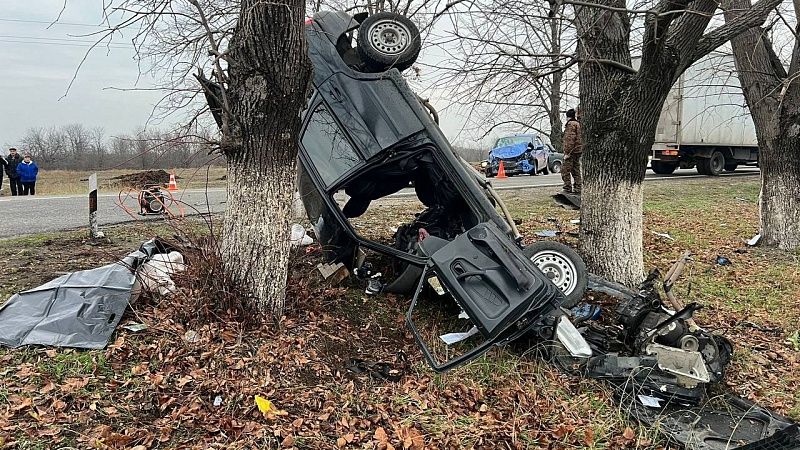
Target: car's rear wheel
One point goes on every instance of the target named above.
(387, 40)
(556, 167)
(561, 265)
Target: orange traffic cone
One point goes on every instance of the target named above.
(501, 172)
(173, 186)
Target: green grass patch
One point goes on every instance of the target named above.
(71, 363)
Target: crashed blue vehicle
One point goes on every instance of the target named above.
(522, 154)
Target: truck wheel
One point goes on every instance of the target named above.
(712, 166)
(387, 40)
(562, 265)
(716, 164)
(731, 167)
(702, 166)
(662, 167)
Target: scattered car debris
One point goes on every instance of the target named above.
(79, 309)
(722, 261)
(754, 240)
(299, 237)
(333, 273)
(568, 200)
(452, 338)
(218, 400)
(367, 134)
(382, 370)
(546, 233)
(134, 327)
(585, 311)
(663, 235)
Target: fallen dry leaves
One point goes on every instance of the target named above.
(159, 389)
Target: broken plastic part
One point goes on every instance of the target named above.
(688, 367)
(436, 285)
(568, 335)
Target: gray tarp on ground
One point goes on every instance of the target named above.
(80, 309)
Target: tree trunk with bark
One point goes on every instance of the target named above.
(554, 110)
(773, 96)
(621, 107)
(269, 73)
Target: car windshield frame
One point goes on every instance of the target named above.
(312, 154)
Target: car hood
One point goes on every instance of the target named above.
(509, 151)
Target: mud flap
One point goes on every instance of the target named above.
(500, 290)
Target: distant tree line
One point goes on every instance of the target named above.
(76, 147)
(471, 154)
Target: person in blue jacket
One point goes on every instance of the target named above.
(27, 171)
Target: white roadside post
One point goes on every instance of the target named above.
(93, 228)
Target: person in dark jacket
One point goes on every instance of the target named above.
(27, 171)
(11, 162)
(4, 163)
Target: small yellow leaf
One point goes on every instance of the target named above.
(263, 404)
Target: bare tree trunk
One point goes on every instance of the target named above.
(773, 97)
(554, 112)
(616, 141)
(621, 108)
(779, 159)
(267, 89)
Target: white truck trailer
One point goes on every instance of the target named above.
(705, 122)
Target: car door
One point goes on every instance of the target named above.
(539, 152)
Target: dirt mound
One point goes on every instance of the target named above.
(141, 179)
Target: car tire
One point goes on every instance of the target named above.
(563, 266)
(556, 167)
(731, 166)
(387, 40)
(663, 168)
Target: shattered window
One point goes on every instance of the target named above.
(329, 149)
(511, 140)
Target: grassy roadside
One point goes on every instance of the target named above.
(69, 182)
(155, 389)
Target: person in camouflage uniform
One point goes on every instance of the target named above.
(573, 149)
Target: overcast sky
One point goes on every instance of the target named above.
(38, 64)
(40, 60)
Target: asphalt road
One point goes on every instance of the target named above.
(29, 215)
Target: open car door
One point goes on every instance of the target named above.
(501, 291)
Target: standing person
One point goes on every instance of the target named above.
(11, 163)
(4, 163)
(27, 171)
(573, 149)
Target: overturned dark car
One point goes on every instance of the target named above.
(366, 135)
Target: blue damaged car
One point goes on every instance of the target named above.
(520, 154)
